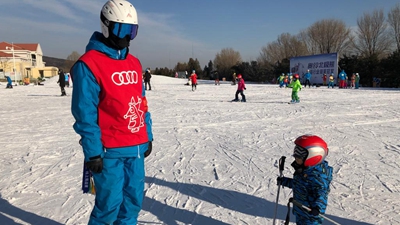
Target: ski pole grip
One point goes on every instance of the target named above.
(282, 163)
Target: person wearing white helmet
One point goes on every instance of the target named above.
(357, 81)
(111, 116)
(147, 77)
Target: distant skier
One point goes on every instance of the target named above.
(147, 77)
(353, 81)
(234, 79)
(357, 80)
(193, 79)
(286, 81)
(296, 86)
(324, 77)
(240, 89)
(216, 75)
(342, 79)
(9, 82)
(331, 81)
(61, 82)
(280, 80)
(311, 179)
(307, 76)
(66, 75)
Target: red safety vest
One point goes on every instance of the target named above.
(122, 107)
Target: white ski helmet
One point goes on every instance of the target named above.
(311, 148)
(118, 11)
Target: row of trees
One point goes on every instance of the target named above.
(372, 50)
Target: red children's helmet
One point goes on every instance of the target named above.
(311, 148)
(296, 76)
(239, 76)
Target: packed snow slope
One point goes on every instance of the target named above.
(214, 162)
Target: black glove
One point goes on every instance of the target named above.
(244, 88)
(314, 211)
(147, 153)
(279, 180)
(95, 164)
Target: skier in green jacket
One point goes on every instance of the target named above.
(296, 86)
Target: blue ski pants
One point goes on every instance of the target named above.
(119, 191)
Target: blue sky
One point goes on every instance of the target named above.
(175, 30)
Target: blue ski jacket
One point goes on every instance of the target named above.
(307, 76)
(85, 100)
(342, 75)
(9, 81)
(311, 189)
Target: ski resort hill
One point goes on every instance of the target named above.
(214, 161)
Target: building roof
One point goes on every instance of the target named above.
(19, 46)
(5, 55)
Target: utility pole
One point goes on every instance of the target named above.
(12, 49)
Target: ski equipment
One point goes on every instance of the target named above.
(308, 210)
(281, 168)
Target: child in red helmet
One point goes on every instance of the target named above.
(241, 87)
(311, 179)
(296, 86)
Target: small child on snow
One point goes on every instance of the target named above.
(241, 87)
(311, 179)
(296, 86)
(193, 78)
(331, 81)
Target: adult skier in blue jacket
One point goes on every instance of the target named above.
(9, 82)
(311, 179)
(110, 109)
(307, 76)
(342, 79)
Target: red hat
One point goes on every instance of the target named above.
(239, 76)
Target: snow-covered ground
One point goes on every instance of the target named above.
(214, 162)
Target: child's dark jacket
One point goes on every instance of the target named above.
(310, 188)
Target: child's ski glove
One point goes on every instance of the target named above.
(147, 153)
(314, 211)
(95, 164)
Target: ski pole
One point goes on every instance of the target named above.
(308, 210)
(281, 168)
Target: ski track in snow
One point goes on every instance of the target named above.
(214, 162)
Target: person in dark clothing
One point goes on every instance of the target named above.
(61, 82)
(216, 78)
(147, 77)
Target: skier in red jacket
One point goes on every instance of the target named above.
(193, 79)
(240, 89)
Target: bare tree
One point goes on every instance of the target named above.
(284, 47)
(227, 58)
(372, 37)
(394, 22)
(71, 59)
(327, 36)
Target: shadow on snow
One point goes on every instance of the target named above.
(228, 199)
(7, 210)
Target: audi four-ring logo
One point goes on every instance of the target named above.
(125, 78)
